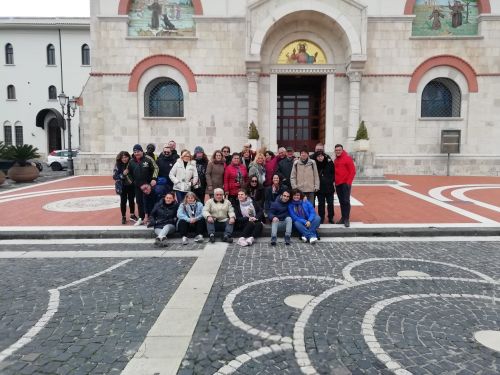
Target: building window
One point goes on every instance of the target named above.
(441, 98)
(11, 92)
(7, 134)
(51, 55)
(52, 93)
(9, 54)
(85, 55)
(19, 135)
(164, 98)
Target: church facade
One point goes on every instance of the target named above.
(303, 71)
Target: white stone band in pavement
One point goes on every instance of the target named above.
(460, 195)
(99, 254)
(84, 204)
(437, 193)
(368, 325)
(15, 190)
(167, 341)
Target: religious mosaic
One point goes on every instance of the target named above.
(302, 52)
(445, 18)
(159, 18)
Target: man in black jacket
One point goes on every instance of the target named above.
(141, 169)
(165, 162)
(326, 173)
(285, 166)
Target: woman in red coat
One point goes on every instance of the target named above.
(235, 178)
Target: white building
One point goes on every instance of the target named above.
(40, 58)
(304, 71)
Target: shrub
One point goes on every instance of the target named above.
(362, 132)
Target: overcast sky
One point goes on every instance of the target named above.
(44, 8)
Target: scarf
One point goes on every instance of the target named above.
(247, 208)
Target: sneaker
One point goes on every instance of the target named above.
(198, 238)
(242, 241)
(138, 222)
(157, 241)
(313, 240)
(347, 224)
(212, 238)
(273, 241)
(164, 242)
(287, 240)
(184, 240)
(227, 239)
(303, 238)
(124, 220)
(133, 218)
(249, 241)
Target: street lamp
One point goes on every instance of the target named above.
(68, 107)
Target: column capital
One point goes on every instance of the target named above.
(253, 75)
(354, 75)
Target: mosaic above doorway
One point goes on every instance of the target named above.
(302, 52)
(445, 18)
(159, 18)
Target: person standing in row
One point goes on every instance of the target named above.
(183, 175)
(285, 166)
(226, 153)
(304, 176)
(165, 163)
(141, 170)
(172, 146)
(127, 188)
(326, 173)
(201, 161)
(215, 173)
(344, 176)
(235, 178)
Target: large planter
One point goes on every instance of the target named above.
(23, 174)
(362, 145)
(2, 177)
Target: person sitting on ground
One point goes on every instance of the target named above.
(163, 218)
(219, 215)
(279, 217)
(304, 217)
(215, 173)
(190, 218)
(149, 199)
(272, 192)
(248, 218)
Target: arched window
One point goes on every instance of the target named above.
(163, 98)
(441, 98)
(51, 55)
(7, 133)
(18, 131)
(9, 54)
(52, 93)
(85, 55)
(11, 92)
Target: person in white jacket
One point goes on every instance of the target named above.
(183, 175)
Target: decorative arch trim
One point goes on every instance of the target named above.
(156, 60)
(40, 118)
(483, 6)
(124, 7)
(455, 62)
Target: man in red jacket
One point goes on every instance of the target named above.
(344, 175)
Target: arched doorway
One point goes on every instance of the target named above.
(53, 120)
(54, 137)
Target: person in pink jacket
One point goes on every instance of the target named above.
(344, 175)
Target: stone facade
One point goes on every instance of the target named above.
(376, 71)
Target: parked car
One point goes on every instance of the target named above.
(58, 159)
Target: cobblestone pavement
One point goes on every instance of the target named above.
(375, 308)
(104, 309)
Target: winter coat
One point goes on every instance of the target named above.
(201, 169)
(185, 213)
(305, 176)
(118, 174)
(235, 178)
(285, 169)
(165, 164)
(240, 219)
(278, 209)
(257, 195)
(308, 212)
(142, 171)
(184, 177)
(271, 167)
(164, 214)
(215, 176)
(326, 172)
(257, 170)
(270, 195)
(220, 211)
(344, 169)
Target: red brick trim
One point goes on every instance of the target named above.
(98, 74)
(219, 75)
(483, 6)
(446, 60)
(124, 7)
(156, 60)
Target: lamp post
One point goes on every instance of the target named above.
(68, 107)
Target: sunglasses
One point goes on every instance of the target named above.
(254, 181)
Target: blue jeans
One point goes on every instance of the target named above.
(311, 231)
(179, 195)
(220, 226)
(286, 224)
(165, 231)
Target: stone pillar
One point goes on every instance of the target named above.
(354, 104)
(331, 135)
(273, 112)
(253, 96)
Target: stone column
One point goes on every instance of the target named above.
(331, 135)
(253, 96)
(354, 104)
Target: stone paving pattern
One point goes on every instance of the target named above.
(100, 324)
(427, 335)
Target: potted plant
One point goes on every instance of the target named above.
(253, 136)
(3, 151)
(23, 170)
(362, 140)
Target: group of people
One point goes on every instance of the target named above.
(238, 191)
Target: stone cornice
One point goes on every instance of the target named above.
(200, 19)
(302, 69)
(395, 18)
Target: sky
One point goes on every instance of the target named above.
(44, 8)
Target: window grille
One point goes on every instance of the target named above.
(7, 135)
(164, 99)
(52, 93)
(9, 54)
(19, 135)
(441, 98)
(11, 92)
(85, 55)
(51, 55)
